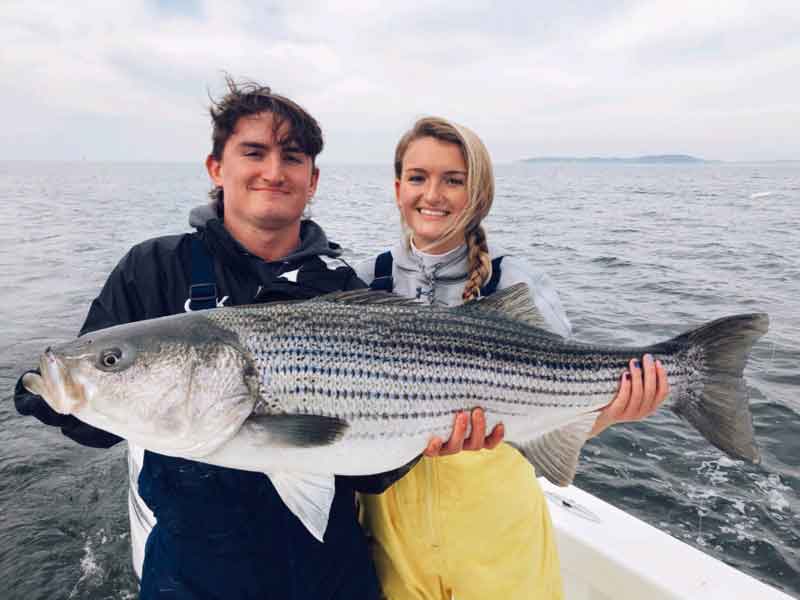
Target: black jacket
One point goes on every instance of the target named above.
(223, 532)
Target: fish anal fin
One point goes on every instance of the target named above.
(308, 496)
(298, 430)
(555, 454)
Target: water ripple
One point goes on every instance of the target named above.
(639, 254)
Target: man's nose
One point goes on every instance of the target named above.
(272, 168)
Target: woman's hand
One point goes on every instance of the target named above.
(642, 389)
(477, 439)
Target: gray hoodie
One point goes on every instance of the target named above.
(441, 277)
(313, 242)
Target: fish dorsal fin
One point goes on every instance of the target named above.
(366, 296)
(555, 454)
(513, 302)
(309, 496)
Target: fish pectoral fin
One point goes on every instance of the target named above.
(299, 431)
(308, 495)
(555, 454)
(513, 302)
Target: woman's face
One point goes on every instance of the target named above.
(432, 193)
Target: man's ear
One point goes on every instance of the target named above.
(312, 185)
(214, 168)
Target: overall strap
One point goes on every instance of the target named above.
(383, 273)
(203, 287)
(491, 285)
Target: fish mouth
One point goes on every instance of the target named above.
(55, 385)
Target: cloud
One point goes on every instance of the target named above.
(531, 78)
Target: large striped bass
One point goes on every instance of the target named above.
(357, 383)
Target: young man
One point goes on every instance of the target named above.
(225, 533)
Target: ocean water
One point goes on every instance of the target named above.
(638, 253)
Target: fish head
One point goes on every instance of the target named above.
(179, 385)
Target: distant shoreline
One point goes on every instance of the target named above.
(647, 159)
(373, 163)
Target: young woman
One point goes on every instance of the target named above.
(471, 524)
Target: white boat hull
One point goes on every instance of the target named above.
(608, 554)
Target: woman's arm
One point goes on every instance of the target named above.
(643, 386)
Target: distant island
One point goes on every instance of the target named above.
(653, 158)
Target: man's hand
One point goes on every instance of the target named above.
(642, 389)
(477, 439)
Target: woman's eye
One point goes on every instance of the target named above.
(455, 181)
(416, 178)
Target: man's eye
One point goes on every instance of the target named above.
(293, 158)
(253, 154)
(416, 178)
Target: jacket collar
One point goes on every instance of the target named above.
(313, 241)
(450, 266)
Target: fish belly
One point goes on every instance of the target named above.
(350, 456)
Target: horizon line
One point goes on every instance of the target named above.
(693, 159)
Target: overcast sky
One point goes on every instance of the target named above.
(129, 80)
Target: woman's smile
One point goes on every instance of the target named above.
(433, 212)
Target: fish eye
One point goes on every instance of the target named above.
(110, 358)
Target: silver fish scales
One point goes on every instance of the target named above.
(357, 383)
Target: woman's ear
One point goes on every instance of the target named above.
(397, 192)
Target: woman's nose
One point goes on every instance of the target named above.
(432, 192)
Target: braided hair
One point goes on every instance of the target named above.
(480, 193)
(480, 263)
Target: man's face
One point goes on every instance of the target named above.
(266, 185)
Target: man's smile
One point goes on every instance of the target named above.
(274, 190)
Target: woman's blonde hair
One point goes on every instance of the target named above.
(480, 193)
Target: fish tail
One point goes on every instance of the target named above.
(718, 405)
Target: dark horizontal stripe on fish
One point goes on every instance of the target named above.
(471, 400)
(381, 415)
(546, 379)
(548, 386)
(454, 349)
(478, 329)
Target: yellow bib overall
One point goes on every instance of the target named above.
(473, 525)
